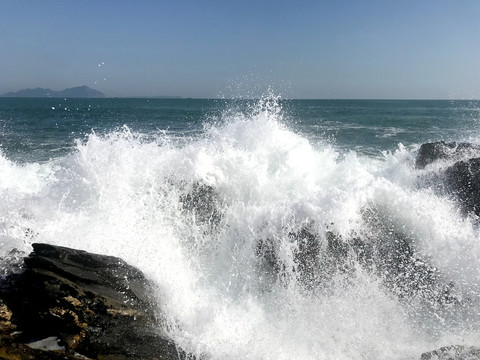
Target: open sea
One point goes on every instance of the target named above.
(268, 227)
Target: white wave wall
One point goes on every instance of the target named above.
(126, 196)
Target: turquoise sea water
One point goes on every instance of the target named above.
(39, 129)
(269, 228)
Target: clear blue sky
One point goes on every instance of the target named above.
(302, 49)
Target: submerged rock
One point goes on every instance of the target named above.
(390, 251)
(92, 305)
(382, 249)
(454, 352)
(306, 256)
(204, 203)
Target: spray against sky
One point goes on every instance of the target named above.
(303, 49)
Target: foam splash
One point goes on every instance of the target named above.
(252, 235)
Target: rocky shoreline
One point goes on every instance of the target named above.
(70, 304)
(63, 303)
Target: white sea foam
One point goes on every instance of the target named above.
(194, 218)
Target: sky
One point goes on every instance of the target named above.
(421, 49)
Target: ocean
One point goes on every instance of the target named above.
(270, 228)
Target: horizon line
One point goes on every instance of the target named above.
(174, 97)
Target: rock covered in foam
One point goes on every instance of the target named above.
(381, 249)
(461, 179)
(441, 150)
(94, 305)
(454, 352)
(204, 203)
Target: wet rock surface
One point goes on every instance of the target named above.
(455, 352)
(204, 203)
(460, 180)
(463, 181)
(70, 304)
(441, 150)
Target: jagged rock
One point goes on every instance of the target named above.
(441, 150)
(460, 180)
(307, 255)
(431, 152)
(463, 181)
(96, 306)
(204, 203)
(454, 352)
(313, 264)
(390, 251)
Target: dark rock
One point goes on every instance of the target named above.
(204, 203)
(267, 251)
(441, 150)
(463, 181)
(431, 152)
(97, 306)
(390, 251)
(383, 248)
(454, 352)
(307, 255)
(460, 180)
(313, 265)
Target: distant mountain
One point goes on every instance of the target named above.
(155, 97)
(80, 92)
(38, 92)
(74, 92)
